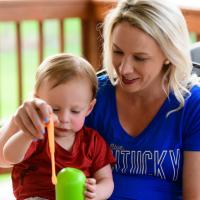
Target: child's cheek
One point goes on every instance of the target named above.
(78, 123)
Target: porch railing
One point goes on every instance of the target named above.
(90, 12)
(40, 10)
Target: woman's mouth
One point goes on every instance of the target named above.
(129, 81)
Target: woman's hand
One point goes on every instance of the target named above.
(90, 193)
(32, 116)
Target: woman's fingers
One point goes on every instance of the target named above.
(31, 117)
(35, 118)
(25, 124)
(44, 109)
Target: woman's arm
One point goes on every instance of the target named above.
(16, 147)
(191, 175)
(101, 186)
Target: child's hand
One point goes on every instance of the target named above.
(90, 192)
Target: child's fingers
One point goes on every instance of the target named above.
(90, 192)
(90, 195)
(91, 181)
(91, 188)
(91, 185)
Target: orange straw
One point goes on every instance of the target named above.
(50, 128)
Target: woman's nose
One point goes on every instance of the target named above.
(126, 66)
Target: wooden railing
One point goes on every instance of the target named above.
(91, 12)
(190, 10)
(40, 10)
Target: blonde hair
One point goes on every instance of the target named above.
(165, 23)
(63, 67)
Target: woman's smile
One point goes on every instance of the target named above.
(129, 81)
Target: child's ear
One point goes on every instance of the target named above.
(91, 106)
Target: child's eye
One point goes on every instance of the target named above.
(55, 109)
(75, 111)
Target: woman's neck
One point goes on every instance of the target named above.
(145, 96)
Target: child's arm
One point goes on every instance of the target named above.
(101, 186)
(27, 118)
(5, 133)
(16, 147)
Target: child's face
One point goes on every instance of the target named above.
(70, 101)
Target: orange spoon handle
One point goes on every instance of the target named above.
(50, 129)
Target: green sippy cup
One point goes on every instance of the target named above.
(70, 184)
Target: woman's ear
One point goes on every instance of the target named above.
(90, 107)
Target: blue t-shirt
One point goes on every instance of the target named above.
(150, 165)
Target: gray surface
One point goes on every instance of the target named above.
(195, 52)
(195, 55)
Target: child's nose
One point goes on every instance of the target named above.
(64, 117)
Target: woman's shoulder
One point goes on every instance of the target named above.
(194, 94)
(104, 85)
(192, 101)
(103, 80)
(195, 90)
(104, 105)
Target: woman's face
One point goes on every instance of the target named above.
(137, 58)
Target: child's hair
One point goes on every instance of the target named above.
(63, 67)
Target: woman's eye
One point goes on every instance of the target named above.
(117, 52)
(140, 58)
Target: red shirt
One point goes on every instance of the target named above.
(32, 177)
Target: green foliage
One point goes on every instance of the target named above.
(8, 56)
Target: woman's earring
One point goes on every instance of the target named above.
(167, 62)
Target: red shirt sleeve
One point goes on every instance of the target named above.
(102, 154)
(33, 148)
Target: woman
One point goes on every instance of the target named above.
(148, 107)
